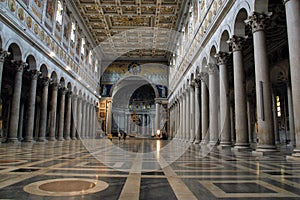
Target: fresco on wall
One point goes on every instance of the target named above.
(155, 73)
(50, 10)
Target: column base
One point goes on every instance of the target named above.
(203, 142)
(263, 150)
(74, 138)
(67, 138)
(60, 139)
(241, 147)
(196, 141)
(13, 140)
(41, 140)
(28, 139)
(52, 139)
(222, 147)
(213, 143)
(225, 144)
(192, 140)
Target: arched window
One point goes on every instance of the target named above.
(90, 57)
(59, 12)
(96, 66)
(73, 29)
(82, 50)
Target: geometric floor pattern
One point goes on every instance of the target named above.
(66, 170)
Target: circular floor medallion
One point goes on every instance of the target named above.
(65, 187)
(200, 165)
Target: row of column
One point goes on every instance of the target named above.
(183, 106)
(71, 125)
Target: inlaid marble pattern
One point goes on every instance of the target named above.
(66, 170)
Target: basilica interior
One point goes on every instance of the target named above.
(149, 99)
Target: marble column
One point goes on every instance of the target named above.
(213, 105)
(79, 117)
(3, 55)
(183, 134)
(291, 114)
(157, 116)
(74, 106)
(87, 120)
(109, 116)
(187, 114)
(204, 107)
(249, 119)
(292, 8)
(197, 123)
(181, 117)
(16, 98)
(52, 123)
(67, 127)
(31, 106)
(83, 120)
(222, 59)
(192, 112)
(144, 124)
(242, 139)
(21, 119)
(266, 137)
(232, 123)
(61, 113)
(175, 119)
(44, 103)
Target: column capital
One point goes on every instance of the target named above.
(285, 1)
(197, 82)
(69, 93)
(54, 85)
(34, 74)
(45, 81)
(20, 65)
(3, 54)
(237, 42)
(192, 84)
(63, 90)
(212, 68)
(203, 76)
(222, 57)
(258, 21)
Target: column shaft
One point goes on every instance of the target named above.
(187, 116)
(266, 137)
(213, 105)
(53, 112)
(157, 116)
(242, 140)
(74, 117)
(291, 115)
(31, 107)
(67, 127)
(192, 112)
(44, 103)
(292, 8)
(61, 115)
(197, 127)
(15, 106)
(222, 58)
(204, 108)
(79, 117)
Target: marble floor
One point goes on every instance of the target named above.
(143, 169)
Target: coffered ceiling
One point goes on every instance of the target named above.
(109, 21)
